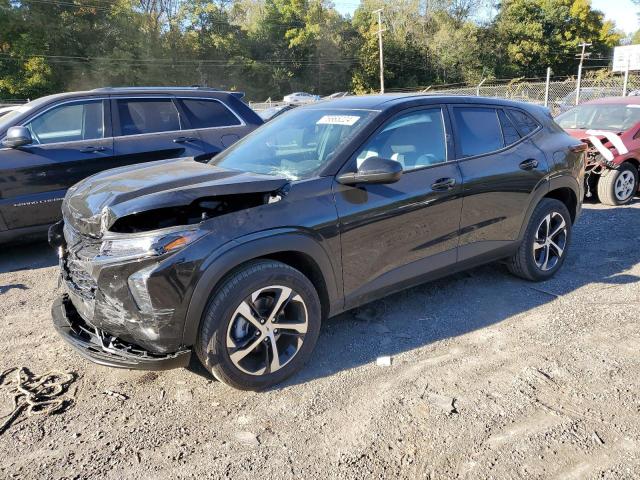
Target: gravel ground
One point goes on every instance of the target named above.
(492, 377)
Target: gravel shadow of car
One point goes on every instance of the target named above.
(604, 247)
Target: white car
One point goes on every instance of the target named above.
(5, 110)
(301, 97)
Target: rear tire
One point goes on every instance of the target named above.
(544, 246)
(619, 186)
(262, 307)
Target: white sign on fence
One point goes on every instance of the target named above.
(627, 55)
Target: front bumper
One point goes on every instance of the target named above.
(105, 349)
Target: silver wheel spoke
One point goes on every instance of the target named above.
(294, 327)
(546, 257)
(547, 226)
(557, 248)
(537, 244)
(246, 311)
(275, 356)
(558, 229)
(283, 297)
(239, 354)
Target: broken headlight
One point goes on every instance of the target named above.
(147, 245)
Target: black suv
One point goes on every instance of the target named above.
(318, 211)
(53, 142)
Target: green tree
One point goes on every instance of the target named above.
(535, 34)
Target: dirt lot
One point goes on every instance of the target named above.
(492, 377)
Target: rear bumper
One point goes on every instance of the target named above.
(104, 349)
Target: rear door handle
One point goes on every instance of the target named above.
(92, 149)
(183, 139)
(529, 164)
(443, 184)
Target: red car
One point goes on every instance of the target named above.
(611, 127)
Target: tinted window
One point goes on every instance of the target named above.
(208, 113)
(509, 132)
(478, 130)
(415, 139)
(69, 123)
(147, 116)
(523, 122)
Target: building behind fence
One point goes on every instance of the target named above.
(557, 94)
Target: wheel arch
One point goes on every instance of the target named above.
(633, 161)
(564, 188)
(297, 250)
(567, 196)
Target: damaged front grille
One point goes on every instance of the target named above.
(80, 250)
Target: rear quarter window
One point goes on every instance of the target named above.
(208, 113)
(524, 122)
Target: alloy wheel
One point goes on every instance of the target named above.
(625, 185)
(267, 330)
(550, 241)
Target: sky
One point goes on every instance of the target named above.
(622, 12)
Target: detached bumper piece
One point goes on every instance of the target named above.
(104, 349)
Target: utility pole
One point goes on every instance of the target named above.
(380, 30)
(584, 45)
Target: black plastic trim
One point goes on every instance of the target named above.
(67, 323)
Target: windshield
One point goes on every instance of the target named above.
(295, 145)
(617, 117)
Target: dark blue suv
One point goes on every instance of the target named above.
(52, 143)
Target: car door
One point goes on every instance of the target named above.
(501, 168)
(394, 234)
(151, 128)
(71, 140)
(217, 125)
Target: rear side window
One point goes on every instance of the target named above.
(71, 122)
(478, 130)
(509, 132)
(203, 113)
(141, 115)
(524, 122)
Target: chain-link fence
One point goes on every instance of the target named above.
(558, 94)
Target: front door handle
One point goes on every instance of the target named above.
(443, 184)
(92, 149)
(183, 139)
(529, 164)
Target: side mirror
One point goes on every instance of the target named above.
(17, 137)
(373, 170)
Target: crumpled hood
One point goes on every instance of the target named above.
(93, 205)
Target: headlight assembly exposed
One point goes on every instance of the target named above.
(148, 245)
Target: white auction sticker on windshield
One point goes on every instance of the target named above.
(338, 120)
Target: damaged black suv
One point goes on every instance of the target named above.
(325, 208)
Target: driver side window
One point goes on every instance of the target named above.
(71, 122)
(415, 140)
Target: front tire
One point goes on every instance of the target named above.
(617, 187)
(260, 326)
(544, 246)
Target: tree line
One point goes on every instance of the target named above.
(269, 48)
